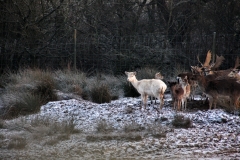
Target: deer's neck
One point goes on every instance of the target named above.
(134, 82)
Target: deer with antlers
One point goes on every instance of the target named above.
(214, 89)
(207, 68)
(235, 74)
(217, 83)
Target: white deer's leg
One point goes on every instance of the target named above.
(183, 102)
(161, 101)
(144, 99)
(142, 103)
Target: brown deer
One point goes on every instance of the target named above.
(187, 92)
(192, 83)
(179, 93)
(235, 74)
(208, 68)
(218, 88)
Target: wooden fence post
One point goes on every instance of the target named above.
(214, 47)
(75, 50)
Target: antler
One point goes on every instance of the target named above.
(199, 60)
(218, 62)
(208, 59)
(237, 63)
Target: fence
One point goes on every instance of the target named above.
(116, 54)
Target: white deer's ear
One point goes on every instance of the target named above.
(135, 73)
(126, 72)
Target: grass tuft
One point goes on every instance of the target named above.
(181, 122)
(17, 142)
(45, 89)
(104, 127)
(22, 104)
(109, 137)
(101, 94)
(133, 127)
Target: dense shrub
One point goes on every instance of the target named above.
(24, 104)
(70, 82)
(45, 89)
(129, 90)
(100, 94)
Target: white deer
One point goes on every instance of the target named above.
(158, 75)
(148, 87)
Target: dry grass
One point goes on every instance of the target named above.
(131, 132)
(17, 142)
(1, 123)
(70, 82)
(157, 130)
(25, 91)
(39, 130)
(56, 139)
(114, 136)
(18, 103)
(101, 94)
(104, 127)
(133, 127)
(181, 122)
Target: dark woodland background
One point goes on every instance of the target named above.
(116, 35)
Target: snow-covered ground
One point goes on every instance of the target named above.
(215, 133)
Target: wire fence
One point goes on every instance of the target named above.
(116, 54)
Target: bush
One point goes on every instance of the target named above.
(181, 122)
(23, 104)
(70, 82)
(100, 94)
(129, 90)
(146, 73)
(45, 90)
